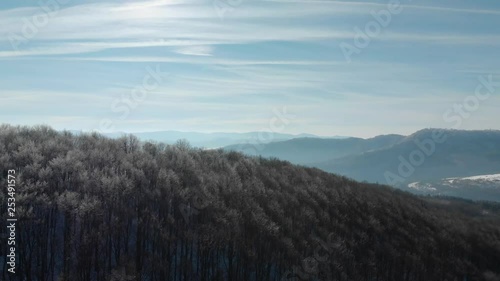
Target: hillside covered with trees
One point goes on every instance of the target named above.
(94, 208)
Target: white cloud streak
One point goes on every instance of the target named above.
(193, 28)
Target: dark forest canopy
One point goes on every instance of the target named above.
(94, 208)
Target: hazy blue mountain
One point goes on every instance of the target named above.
(419, 157)
(211, 140)
(313, 150)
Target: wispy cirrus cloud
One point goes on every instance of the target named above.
(382, 4)
(196, 50)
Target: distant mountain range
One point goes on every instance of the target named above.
(428, 155)
(214, 140)
(315, 150)
(417, 157)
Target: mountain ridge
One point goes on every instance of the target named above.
(213, 139)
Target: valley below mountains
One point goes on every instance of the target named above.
(429, 156)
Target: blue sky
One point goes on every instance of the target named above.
(231, 64)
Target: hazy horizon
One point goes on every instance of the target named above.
(246, 132)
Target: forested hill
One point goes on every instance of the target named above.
(93, 208)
